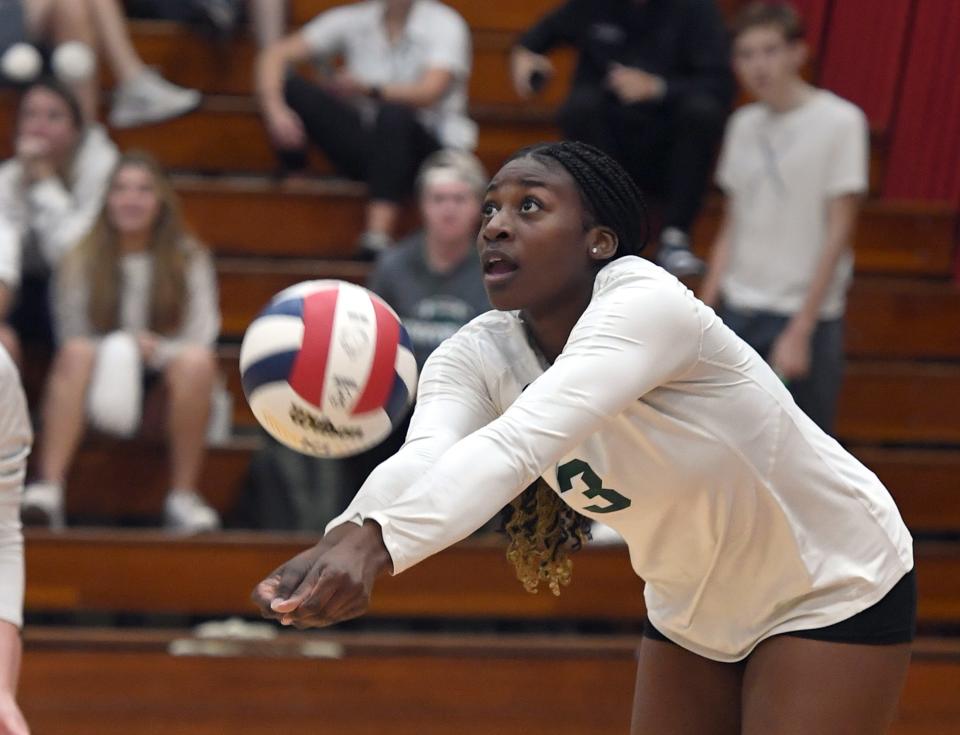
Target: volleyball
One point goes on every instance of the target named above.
(328, 368)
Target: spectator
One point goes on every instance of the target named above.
(135, 301)
(794, 168)
(50, 193)
(142, 96)
(15, 441)
(400, 95)
(434, 282)
(651, 88)
(433, 279)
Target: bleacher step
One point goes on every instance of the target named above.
(141, 570)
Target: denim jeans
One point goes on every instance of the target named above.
(818, 391)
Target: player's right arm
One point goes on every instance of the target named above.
(452, 403)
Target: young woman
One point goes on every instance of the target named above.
(139, 274)
(15, 441)
(50, 193)
(778, 571)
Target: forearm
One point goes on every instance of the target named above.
(425, 92)
(842, 214)
(269, 78)
(271, 69)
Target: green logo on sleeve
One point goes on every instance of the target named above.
(577, 467)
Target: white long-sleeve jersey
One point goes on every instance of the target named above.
(744, 519)
(16, 438)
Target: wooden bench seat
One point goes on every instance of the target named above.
(148, 571)
(321, 219)
(109, 682)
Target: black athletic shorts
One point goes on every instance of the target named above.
(891, 620)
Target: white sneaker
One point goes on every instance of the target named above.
(42, 505)
(185, 510)
(149, 98)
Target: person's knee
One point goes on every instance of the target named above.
(700, 112)
(298, 92)
(395, 120)
(76, 354)
(192, 365)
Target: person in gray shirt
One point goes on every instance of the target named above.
(434, 282)
(433, 278)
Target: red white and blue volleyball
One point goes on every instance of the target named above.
(328, 368)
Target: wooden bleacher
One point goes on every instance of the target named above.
(154, 572)
(108, 682)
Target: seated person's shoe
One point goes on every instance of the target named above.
(42, 505)
(185, 510)
(371, 244)
(149, 98)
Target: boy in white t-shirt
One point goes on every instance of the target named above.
(794, 168)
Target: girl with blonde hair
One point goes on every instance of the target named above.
(135, 301)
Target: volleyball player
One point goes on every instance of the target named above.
(779, 583)
(15, 441)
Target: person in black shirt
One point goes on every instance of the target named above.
(652, 88)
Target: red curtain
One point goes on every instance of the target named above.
(814, 14)
(862, 57)
(924, 157)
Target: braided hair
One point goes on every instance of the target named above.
(541, 529)
(610, 197)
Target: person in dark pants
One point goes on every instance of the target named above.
(652, 88)
(400, 95)
(794, 169)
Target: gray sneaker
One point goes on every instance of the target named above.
(149, 98)
(185, 510)
(42, 505)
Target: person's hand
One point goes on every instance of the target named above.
(632, 85)
(327, 584)
(148, 343)
(344, 84)
(285, 127)
(790, 355)
(523, 65)
(34, 155)
(11, 719)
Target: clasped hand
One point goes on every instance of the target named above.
(328, 583)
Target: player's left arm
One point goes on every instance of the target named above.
(15, 441)
(633, 338)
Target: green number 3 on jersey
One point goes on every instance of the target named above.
(577, 467)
